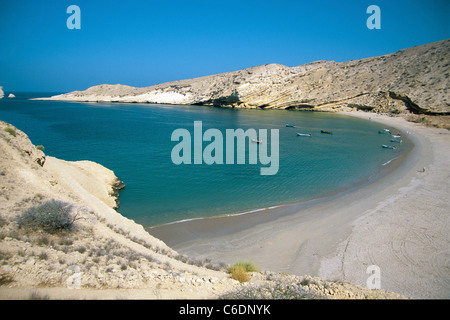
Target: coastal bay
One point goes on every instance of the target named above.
(398, 222)
(315, 236)
(225, 151)
(115, 257)
(140, 153)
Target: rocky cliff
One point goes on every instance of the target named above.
(410, 80)
(1, 92)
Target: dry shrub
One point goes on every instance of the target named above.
(52, 216)
(240, 274)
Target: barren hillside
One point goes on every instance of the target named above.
(411, 80)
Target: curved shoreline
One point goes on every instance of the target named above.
(382, 170)
(203, 227)
(180, 232)
(297, 204)
(320, 239)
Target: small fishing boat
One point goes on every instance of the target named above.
(396, 136)
(396, 140)
(303, 134)
(257, 141)
(327, 132)
(290, 125)
(388, 147)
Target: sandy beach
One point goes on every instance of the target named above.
(399, 222)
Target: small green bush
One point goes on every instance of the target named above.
(245, 265)
(52, 216)
(239, 274)
(240, 270)
(11, 131)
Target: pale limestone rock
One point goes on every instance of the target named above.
(414, 79)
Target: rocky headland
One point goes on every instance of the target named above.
(1, 92)
(413, 80)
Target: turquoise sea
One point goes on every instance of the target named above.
(134, 140)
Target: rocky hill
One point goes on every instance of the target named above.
(59, 231)
(411, 80)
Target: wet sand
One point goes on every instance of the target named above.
(398, 222)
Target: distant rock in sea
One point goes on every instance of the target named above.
(1, 92)
(11, 95)
(410, 80)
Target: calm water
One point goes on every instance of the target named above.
(134, 140)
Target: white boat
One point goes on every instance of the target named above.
(396, 136)
(257, 141)
(303, 134)
(388, 147)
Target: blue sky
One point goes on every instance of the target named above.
(141, 43)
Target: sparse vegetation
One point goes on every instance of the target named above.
(11, 131)
(277, 291)
(38, 296)
(431, 121)
(239, 274)
(52, 216)
(43, 255)
(206, 263)
(65, 242)
(81, 249)
(3, 221)
(240, 270)
(4, 256)
(43, 241)
(245, 265)
(5, 278)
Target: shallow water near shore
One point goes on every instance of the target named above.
(134, 140)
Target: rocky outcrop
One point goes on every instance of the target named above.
(1, 92)
(411, 80)
(20, 142)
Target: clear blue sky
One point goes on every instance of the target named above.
(141, 43)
